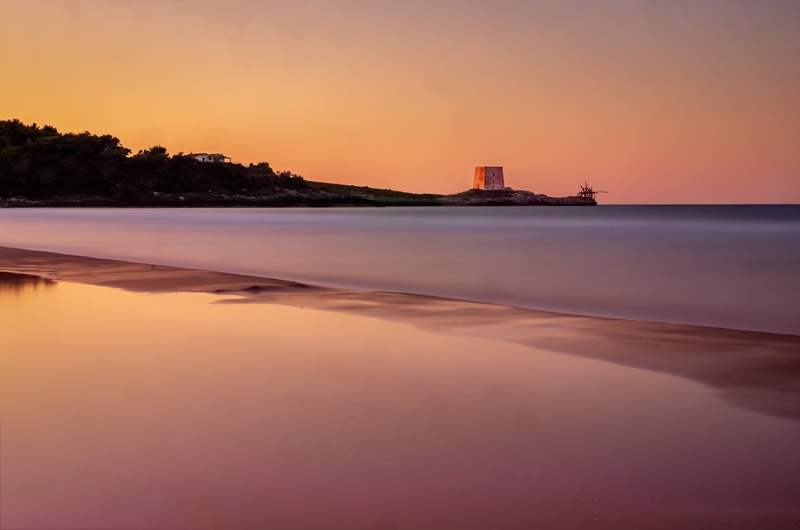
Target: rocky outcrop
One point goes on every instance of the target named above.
(509, 197)
(315, 195)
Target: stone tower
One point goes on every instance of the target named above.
(488, 178)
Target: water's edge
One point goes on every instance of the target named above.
(731, 267)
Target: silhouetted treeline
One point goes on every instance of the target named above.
(41, 163)
(41, 167)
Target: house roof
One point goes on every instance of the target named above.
(208, 154)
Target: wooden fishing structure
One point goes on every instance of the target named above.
(588, 192)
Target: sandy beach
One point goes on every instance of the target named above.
(144, 396)
(760, 371)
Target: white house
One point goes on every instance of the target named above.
(206, 157)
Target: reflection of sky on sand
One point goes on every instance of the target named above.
(124, 410)
(11, 282)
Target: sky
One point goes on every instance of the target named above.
(655, 101)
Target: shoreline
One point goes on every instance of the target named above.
(317, 195)
(754, 370)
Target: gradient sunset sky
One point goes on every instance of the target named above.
(659, 101)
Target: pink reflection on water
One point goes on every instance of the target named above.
(166, 411)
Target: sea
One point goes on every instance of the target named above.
(194, 410)
(730, 266)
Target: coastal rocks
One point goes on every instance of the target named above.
(511, 197)
(12, 202)
(81, 201)
(316, 195)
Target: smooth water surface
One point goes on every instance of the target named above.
(123, 410)
(726, 266)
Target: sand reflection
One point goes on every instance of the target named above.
(13, 282)
(759, 371)
(168, 411)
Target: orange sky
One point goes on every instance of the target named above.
(656, 101)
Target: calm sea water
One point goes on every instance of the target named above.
(728, 266)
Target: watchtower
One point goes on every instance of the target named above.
(488, 178)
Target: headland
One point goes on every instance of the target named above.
(40, 167)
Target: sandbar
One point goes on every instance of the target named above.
(754, 370)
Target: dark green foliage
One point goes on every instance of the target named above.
(262, 177)
(41, 163)
(15, 133)
(41, 167)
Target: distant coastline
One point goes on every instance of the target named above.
(40, 167)
(315, 195)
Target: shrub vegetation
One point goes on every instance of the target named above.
(40, 163)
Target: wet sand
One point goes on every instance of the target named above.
(757, 371)
(163, 397)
